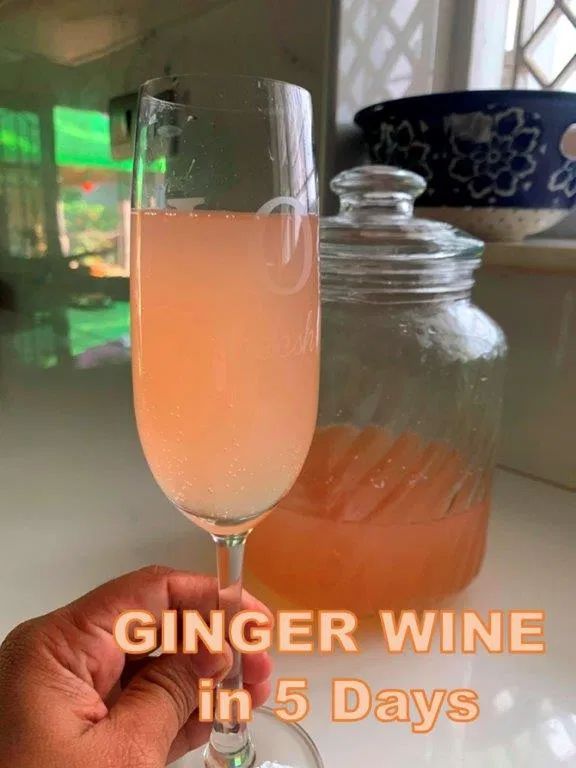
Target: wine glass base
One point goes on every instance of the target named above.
(276, 744)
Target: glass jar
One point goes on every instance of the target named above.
(391, 507)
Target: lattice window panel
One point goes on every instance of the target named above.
(386, 51)
(545, 45)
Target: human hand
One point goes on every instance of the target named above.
(70, 697)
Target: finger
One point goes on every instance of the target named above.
(256, 670)
(260, 693)
(194, 734)
(204, 664)
(40, 698)
(87, 624)
(256, 667)
(191, 736)
(154, 589)
(89, 621)
(158, 701)
(203, 661)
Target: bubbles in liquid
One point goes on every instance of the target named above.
(245, 472)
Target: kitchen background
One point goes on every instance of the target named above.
(68, 74)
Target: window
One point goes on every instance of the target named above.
(541, 45)
(22, 222)
(94, 200)
(64, 239)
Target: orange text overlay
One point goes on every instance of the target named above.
(324, 632)
(302, 632)
(352, 700)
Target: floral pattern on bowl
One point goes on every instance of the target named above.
(406, 146)
(493, 154)
(564, 179)
(480, 148)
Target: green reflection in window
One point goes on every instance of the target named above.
(93, 328)
(19, 137)
(82, 139)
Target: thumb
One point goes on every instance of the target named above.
(159, 700)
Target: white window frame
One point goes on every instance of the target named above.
(478, 45)
(478, 56)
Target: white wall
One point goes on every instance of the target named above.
(537, 310)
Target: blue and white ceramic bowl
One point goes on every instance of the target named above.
(499, 164)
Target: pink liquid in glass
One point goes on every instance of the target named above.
(225, 356)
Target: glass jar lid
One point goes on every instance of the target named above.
(376, 218)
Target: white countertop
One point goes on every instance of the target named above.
(528, 703)
(80, 507)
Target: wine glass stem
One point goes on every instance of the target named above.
(230, 745)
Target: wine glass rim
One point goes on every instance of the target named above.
(222, 76)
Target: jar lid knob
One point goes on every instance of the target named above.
(384, 180)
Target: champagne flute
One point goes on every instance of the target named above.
(225, 327)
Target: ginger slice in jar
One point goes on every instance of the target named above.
(414, 489)
(370, 491)
(363, 455)
(314, 482)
